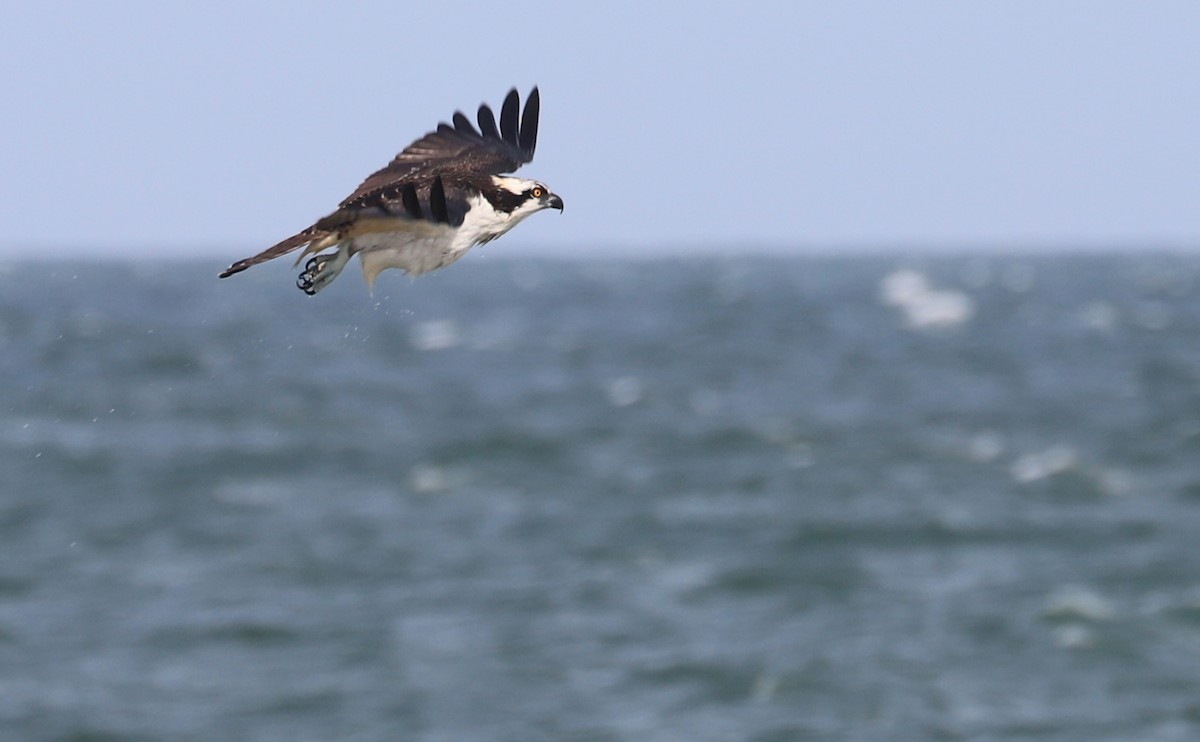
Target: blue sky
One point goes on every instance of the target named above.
(217, 128)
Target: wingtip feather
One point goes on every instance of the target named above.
(487, 122)
(463, 125)
(529, 122)
(509, 114)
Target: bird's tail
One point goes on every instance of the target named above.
(311, 235)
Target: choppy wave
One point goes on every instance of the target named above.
(939, 498)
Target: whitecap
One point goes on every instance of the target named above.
(1074, 603)
(436, 335)
(429, 479)
(1101, 316)
(1032, 467)
(1074, 636)
(625, 391)
(985, 446)
(922, 305)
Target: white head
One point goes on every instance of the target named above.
(520, 197)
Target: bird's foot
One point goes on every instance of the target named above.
(320, 270)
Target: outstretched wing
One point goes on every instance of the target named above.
(423, 184)
(460, 149)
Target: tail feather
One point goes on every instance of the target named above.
(282, 248)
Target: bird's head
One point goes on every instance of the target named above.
(525, 197)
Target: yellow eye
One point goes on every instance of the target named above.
(537, 192)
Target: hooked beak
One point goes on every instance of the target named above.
(554, 202)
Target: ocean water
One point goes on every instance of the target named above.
(868, 498)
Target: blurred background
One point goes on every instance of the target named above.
(855, 395)
(203, 129)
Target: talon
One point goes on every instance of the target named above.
(306, 281)
(320, 270)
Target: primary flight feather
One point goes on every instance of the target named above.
(444, 194)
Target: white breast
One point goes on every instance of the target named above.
(417, 247)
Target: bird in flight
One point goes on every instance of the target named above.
(444, 194)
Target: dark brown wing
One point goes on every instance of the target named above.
(461, 150)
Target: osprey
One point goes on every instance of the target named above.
(441, 196)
